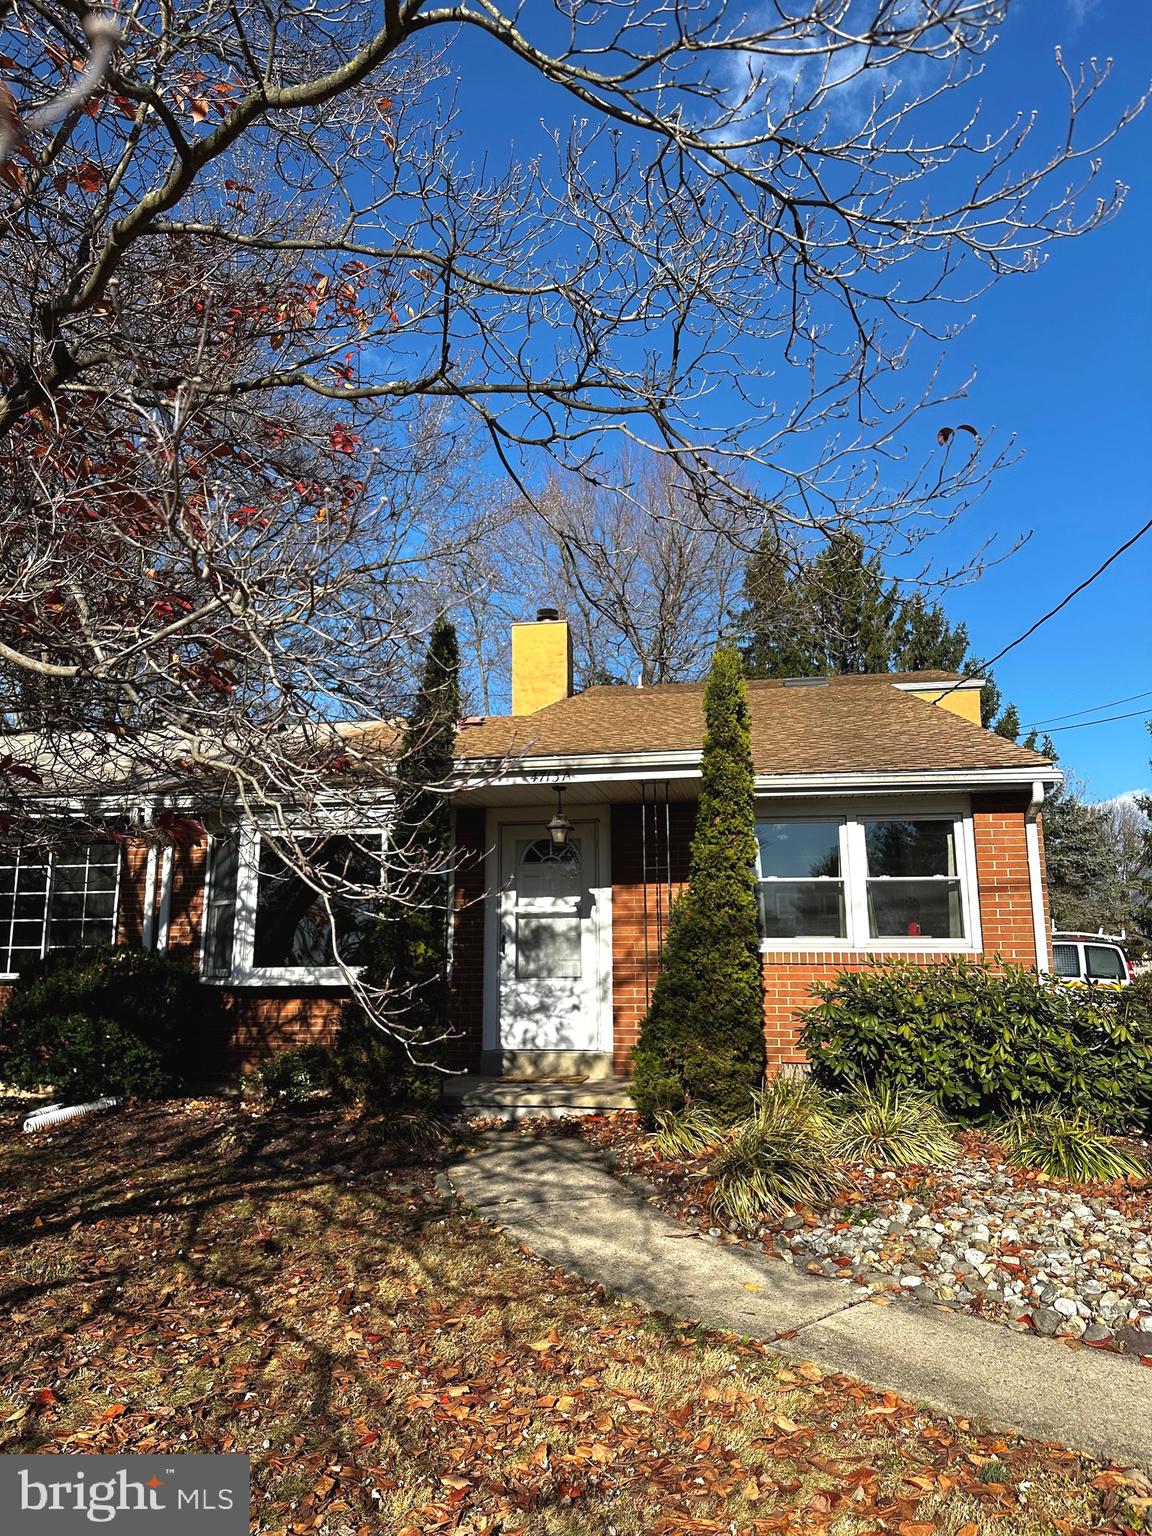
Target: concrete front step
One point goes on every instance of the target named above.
(479, 1095)
(593, 1064)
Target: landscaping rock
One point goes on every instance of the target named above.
(1016, 1244)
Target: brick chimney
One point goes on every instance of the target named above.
(541, 662)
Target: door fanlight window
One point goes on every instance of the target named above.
(548, 872)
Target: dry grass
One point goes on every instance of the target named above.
(221, 1280)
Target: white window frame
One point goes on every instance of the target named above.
(46, 922)
(854, 873)
(244, 973)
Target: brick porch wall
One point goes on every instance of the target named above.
(634, 964)
(1005, 917)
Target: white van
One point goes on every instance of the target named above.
(1078, 958)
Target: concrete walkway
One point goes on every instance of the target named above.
(557, 1198)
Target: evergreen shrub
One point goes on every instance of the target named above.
(983, 1043)
(702, 1040)
(293, 1078)
(385, 1058)
(107, 1020)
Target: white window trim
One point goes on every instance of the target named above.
(12, 976)
(854, 873)
(244, 973)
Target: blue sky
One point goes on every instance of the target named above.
(1061, 363)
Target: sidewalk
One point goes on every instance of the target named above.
(556, 1197)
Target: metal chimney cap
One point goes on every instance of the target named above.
(547, 615)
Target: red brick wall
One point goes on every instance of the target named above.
(133, 881)
(634, 964)
(265, 1020)
(262, 1021)
(1005, 917)
(998, 822)
(186, 911)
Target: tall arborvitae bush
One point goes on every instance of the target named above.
(702, 1040)
(405, 955)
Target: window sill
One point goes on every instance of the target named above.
(870, 947)
(320, 976)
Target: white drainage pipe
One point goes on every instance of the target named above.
(59, 1114)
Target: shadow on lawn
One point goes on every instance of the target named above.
(195, 1254)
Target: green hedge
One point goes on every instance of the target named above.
(106, 1019)
(983, 1043)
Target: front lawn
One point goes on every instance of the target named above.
(204, 1277)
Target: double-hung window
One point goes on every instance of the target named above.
(293, 911)
(801, 880)
(861, 881)
(57, 898)
(914, 887)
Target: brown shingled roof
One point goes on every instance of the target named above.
(820, 729)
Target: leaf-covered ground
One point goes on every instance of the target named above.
(203, 1277)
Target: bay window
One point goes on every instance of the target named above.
(860, 881)
(57, 898)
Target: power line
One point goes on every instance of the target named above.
(987, 664)
(1090, 710)
(1104, 720)
(1064, 601)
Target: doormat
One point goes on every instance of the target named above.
(531, 1077)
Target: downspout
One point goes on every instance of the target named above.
(1035, 874)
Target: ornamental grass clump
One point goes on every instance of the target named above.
(687, 1132)
(1066, 1144)
(890, 1127)
(780, 1156)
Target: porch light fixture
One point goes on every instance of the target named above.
(559, 828)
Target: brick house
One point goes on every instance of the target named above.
(890, 824)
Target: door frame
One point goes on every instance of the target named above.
(497, 820)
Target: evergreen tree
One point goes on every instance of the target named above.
(1086, 889)
(405, 954)
(1142, 894)
(703, 1037)
(1008, 724)
(839, 614)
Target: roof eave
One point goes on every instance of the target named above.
(624, 767)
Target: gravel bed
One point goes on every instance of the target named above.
(980, 1235)
(1062, 1262)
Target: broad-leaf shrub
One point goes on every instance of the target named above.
(293, 1077)
(982, 1043)
(108, 1020)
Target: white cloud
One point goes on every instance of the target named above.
(1082, 9)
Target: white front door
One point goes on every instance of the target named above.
(549, 941)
